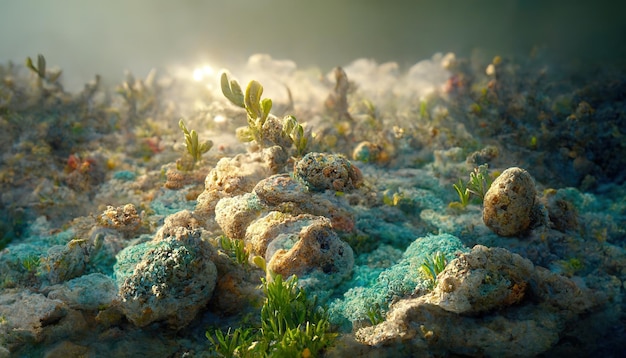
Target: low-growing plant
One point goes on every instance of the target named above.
(376, 314)
(194, 147)
(463, 192)
(258, 111)
(480, 181)
(30, 263)
(291, 326)
(297, 134)
(477, 185)
(235, 249)
(432, 267)
(233, 343)
(41, 71)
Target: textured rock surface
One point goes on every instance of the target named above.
(283, 193)
(524, 309)
(124, 219)
(311, 251)
(167, 279)
(237, 176)
(321, 171)
(509, 202)
(234, 214)
(482, 281)
(88, 292)
(31, 318)
(261, 232)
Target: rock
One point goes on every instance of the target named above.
(562, 212)
(282, 193)
(89, 292)
(237, 176)
(509, 202)
(368, 152)
(262, 231)
(167, 279)
(30, 318)
(123, 219)
(68, 349)
(482, 281)
(321, 171)
(64, 262)
(310, 249)
(488, 302)
(234, 214)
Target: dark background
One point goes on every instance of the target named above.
(108, 37)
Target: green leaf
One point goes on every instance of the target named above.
(266, 105)
(252, 99)
(206, 146)
(29, 64)
(182, 126)
(289, 123)
(232, 90)
(244, 134)
(41, 65)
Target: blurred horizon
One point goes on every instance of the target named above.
(107, 38)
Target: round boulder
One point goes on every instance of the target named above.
(508, 204)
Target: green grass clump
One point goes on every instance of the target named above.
(291, 326)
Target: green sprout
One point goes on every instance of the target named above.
(478, 185)
(235, 249)
(30, 263)
(432, 267)
(464, 194)
(40, 70)
(257, 109)
(480, 181)
(232, 91)
(194, 148)
(291, 326)
(376, 314)
(296, 133)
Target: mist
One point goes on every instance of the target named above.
(85, 38)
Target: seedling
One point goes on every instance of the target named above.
(235, 249)
(432, 267)
(478, 185)
(194, 147)
(376, 314)
(296, 133)
(463, 191)
(258, 111)
(480, 181)
(256, 108)
(40, 70)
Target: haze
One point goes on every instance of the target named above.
(109, 37)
